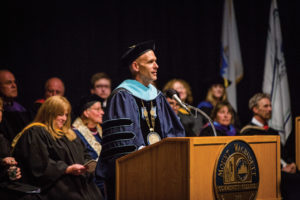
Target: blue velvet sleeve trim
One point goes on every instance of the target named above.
(118, 138)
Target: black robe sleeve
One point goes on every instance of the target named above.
(207, 131)
(4, 152)
(32, 151)
(4, 147)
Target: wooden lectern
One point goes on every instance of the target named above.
(183, 168)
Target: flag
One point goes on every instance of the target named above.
(231, 60)
(275, 80)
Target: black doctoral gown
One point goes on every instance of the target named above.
(43, 161)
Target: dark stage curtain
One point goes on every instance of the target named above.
(74, 39)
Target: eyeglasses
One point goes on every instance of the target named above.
(102, 86)
(97, 109)
(173, 104)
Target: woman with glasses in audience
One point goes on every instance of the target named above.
(88, 129)
(87, 124)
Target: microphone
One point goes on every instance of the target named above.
(173, 95)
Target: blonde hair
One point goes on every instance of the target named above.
(50, 109)
(170, 84)
(210, 97)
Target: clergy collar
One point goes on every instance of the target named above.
(256, 122)
(138, 90)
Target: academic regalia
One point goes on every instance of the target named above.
(220, 130)
(6, 193)
(253, 129)
(15, 118)
(207, 107)
(192, 123)
(5, 183)
(123, 130)
(43, 161)
(290, 183)
(91, 142)
(4, 147)
(123, 105)
(4, 152)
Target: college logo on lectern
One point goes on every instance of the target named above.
(236, 173)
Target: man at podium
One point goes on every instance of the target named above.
(260, 105)
(137, 113)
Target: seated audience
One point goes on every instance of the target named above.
(191, 125)
(9, 171)
(216, 93)
(6, 161)
(52, 157)
(261, 107)
(101, 86)
(192, 121)
(53, 86)
(15, 116)
(222, 115)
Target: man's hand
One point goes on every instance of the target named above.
(290, 168)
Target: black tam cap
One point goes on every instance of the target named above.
(219, 80)
(136, 51)
(86, 102)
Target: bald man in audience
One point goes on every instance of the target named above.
(15, 116)
(53, 87)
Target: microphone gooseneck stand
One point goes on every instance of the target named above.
(172, 94)
(205, 115)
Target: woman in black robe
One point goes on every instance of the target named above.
(52, 157)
